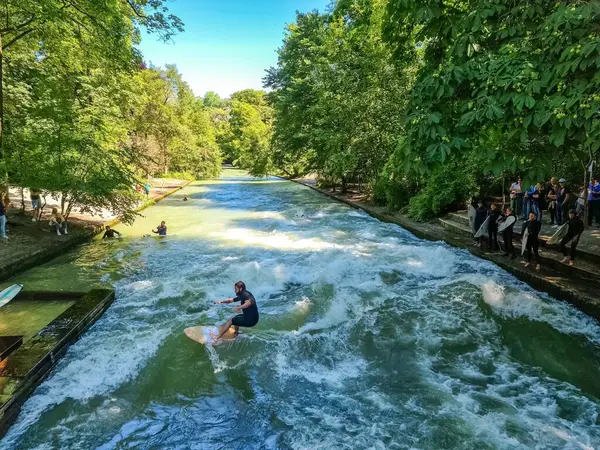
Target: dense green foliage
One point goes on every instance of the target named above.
(429, 102)
(82, 117)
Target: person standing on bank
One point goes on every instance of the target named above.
(594, 202)
(563, 197)
(36, 204)
(507, 235)
(516, 197)
(533, 231)
(249, 316)
(3, 208)
(574, 233)
(493, 227)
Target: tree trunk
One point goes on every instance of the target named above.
(1, 102)
(344, 186)
(22, 200)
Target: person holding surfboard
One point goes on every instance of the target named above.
(249, 316)
(161, 230)
(576, 227)
(533, 228)
(493, 227)
(507, 229)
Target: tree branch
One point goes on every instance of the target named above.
(16, 38)
(135, 10)
(18, 27)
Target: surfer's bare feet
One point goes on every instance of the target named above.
(538, 267)
(564, 260)
(526, 264)
(571, 263)
(214, 336)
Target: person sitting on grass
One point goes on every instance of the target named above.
(161, 230)
(110, 233)
(575, 225)
(58, 222)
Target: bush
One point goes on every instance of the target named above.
(178, 176)
(446, 189)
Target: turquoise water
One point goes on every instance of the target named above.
(368, 338)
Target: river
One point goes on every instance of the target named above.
(368, 338)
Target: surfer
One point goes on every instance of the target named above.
(493, 227)
(533, 229)
(575, 225)
(480, 216)
(249, 316)
(161, 230)
(110, 233)
(507, 233)
(185, 198)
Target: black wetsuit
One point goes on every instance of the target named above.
(249, 318)
(493, 230)
(161, 230)
(507, 236)
(110, 234)
(574, 233)
(533, 243)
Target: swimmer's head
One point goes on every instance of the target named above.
(239, 287)
(107, 227)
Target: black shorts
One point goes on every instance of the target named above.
(241, 321)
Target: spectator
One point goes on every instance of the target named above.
(532, 202)
(35, 195)
(574, 233)
(551, 202)
(493, 227)
(533, 227)
(58, 222)
(580, 205)
(147, 188)
(507, 235)
(516, 197)
(594, 202)
(480, 216)
(562, 198)
(3, 208)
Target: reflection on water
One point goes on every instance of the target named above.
(369, 338)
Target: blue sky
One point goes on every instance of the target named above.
(227, 44)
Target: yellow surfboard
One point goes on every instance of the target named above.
(202, 335)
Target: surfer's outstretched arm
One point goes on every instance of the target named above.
(219, 302)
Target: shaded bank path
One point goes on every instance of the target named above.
(369, 338)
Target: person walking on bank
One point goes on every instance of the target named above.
(493, 227)
(508, 233)
(3, 208)
(36, 204)
(594, 202)
(574, 233)
(533, 231)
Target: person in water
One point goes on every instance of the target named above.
(533, 228)
(185, 198)
(110, 233)
(574, 233)
(161, 229)
(249, 316)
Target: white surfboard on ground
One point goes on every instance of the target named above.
(483, 229)
(561, 232)
(9, 293)
(202, 335)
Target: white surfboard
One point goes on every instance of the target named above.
(9, 293)
(483, 229)
(471, 212)
(202, 335)
(561, 232)
(510, 220)
(524, 241)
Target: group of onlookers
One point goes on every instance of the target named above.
(529, 205)
(556, 197)
(56, 221)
